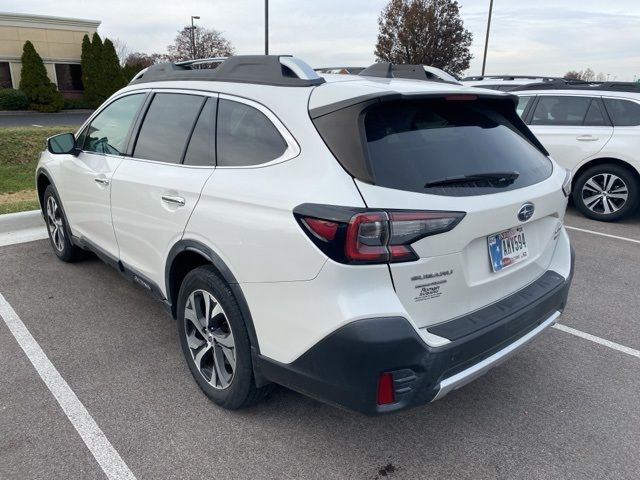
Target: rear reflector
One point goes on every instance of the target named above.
(385, 395)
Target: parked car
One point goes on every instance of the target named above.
(372, 244)
(504, 83)
(594, 131)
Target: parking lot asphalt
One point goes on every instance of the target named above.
(27, 119)
(564, 407)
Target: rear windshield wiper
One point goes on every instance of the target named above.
(501, 178)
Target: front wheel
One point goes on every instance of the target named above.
(606, 192)
(58, 228)
(214, 340)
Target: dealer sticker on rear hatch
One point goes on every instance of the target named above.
(507, 248)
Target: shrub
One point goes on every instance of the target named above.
(34, 82)
(11, 99)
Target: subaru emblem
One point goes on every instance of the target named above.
(526, 211)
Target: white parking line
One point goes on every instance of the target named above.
(598, 340)
(95, 440)
(632, 240)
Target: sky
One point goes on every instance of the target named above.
(544, 37)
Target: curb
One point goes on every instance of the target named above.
(9, 113)
(10, 222)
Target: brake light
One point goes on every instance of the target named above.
(460, 98)
(324, 229)
(359, 236)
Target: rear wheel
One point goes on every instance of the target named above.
(214, 340)
(606, 192)
(58, 229)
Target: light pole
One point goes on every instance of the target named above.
(486, 40)
(193, 36)
(266, 27)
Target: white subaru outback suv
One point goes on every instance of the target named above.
(593, 130)
(372, 242)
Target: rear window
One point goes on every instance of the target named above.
(424, 146)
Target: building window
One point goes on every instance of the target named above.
(69, 77)
(5, 75)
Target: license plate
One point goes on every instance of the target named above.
(507, 248)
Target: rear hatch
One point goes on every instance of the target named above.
(462, 153)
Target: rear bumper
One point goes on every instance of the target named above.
(344, 367)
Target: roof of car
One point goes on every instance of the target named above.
(282, 80)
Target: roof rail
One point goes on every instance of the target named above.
(200, 61)
(478, 78)
(582, 85)
(277, 70)
(399, 70)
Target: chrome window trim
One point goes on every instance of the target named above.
(292, 150)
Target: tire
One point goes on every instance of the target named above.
(218, 356)
(606, 192)
(58, 228)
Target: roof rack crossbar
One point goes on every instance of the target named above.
(545, 78)
(276, 70)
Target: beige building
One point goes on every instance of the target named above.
(57, 40)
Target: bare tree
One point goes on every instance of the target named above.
(572, 75)
(122, 50)
(587, 75)
(208, 43)
(429, 32)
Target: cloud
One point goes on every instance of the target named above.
(546, 39)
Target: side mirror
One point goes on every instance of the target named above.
(61, 144)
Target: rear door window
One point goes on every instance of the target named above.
(595, 116)
(421, 146)
(624, 113)
(167, 126)
(567, 111)
(201, 149)
(523, 102)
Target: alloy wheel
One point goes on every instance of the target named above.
(605, 193)
(210, 339)
(55, 223)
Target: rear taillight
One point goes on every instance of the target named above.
(359, 236)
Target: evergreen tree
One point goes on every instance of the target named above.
(96, 72)
(43, 95)
(86, 63)
(113, 77)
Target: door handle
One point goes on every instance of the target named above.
(179, 201)
(586, 138)
(102, 181)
